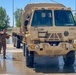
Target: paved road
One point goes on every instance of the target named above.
(15, 64)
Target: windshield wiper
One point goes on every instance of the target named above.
(69, 24)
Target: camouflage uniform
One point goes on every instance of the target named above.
(3, 37)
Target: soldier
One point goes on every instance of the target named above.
(3, 37)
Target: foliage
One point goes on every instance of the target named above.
(17, 17)
(4, 19)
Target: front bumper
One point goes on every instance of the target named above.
(47, 49)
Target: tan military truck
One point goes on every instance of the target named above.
(48, 30)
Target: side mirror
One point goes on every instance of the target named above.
(75, 21)
(26, 22)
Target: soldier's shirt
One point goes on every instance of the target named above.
(3, 37)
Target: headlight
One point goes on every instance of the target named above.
(34, 46)
(70, 46)
(27, 35)
(74, 41)
(74, 45)
(37, 47)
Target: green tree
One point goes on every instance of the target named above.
(17, 17)
(4, 19)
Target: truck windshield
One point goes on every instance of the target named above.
(42, 18)
(63, 18)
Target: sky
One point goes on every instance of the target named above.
(8, 5)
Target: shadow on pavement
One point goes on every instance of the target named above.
(51, 65)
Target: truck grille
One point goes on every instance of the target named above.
(50, 36)
(55, 36)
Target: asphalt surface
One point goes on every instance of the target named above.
(14, 64)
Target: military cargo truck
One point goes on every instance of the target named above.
(47, 30)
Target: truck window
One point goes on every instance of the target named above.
(63, 18)
(42, 18)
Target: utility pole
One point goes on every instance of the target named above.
(13, 11)
(75, 6)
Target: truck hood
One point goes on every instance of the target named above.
(53, 33)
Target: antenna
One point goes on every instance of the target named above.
(30, 1)
(54, 1)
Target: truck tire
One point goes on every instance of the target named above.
(17, 42)
(24, 49)
(69, 58)
(29, 58)
(14, 41)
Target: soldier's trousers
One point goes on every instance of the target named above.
(3, 45)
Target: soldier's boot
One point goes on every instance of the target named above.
(0, 51)
(4, 57)
(4, 54)
(4, 51)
